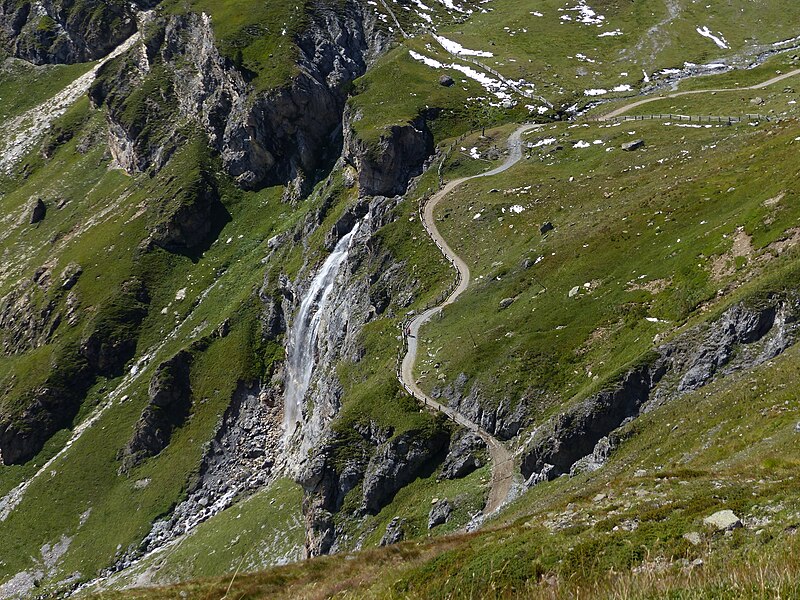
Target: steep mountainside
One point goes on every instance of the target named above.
(223, 225)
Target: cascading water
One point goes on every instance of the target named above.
(303, 334)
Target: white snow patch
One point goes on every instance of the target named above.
(622, 88)
(544, 142)
(581, 144)
(516, 209)
(450, 6)
(718, 39)
(586, 15)
(431, 62)
(458, 49)
(614, 33)
(595, 92)
(473, 152)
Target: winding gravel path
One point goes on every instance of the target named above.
(502, 461)
(759, 86)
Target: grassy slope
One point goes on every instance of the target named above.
(625, 222)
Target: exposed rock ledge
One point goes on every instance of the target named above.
(746, 335)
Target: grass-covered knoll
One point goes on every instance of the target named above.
(380, 104)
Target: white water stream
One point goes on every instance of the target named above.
(303, 333)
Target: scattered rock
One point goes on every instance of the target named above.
(394, 532)
(634, 145)
(506, 302)
(723, 520)
(574, 291)
(546, 227)
(757, 101)
(693, 538)
(37, 211)
(439, 513)
(446, 81)
(797, 427)
(224, 328)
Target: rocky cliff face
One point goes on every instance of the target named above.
(67, 31)
(108, 342)
(745, 336)
(504, 420)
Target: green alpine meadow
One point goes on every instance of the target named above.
(399, 299)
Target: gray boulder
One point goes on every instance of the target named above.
(37, 211)
(723, 520)
(634, 145)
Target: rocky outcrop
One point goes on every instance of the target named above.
(395, 532)
(467, 452)
(189, 221)
(746, 335)
(66, 31)
(112, 335)
(386, 166)
(37, 211)
(439, 514)
(107, 344)
(503, 420)
(396, 463)
(46, 408)
(170, 395)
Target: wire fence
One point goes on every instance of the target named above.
(748, 118)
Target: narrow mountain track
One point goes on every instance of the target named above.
(759, 86)
(502, 460)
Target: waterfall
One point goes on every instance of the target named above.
(303, 334)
